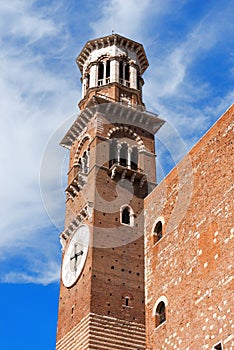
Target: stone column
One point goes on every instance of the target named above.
(93, 75)
(129, 158)
(84, 86)
(118, 152)
(114, 71)
(133, 76)
(82, 165)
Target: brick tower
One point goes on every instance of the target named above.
(111, 171)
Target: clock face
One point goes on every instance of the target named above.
(75, 255)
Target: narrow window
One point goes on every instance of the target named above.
(126, 216)
(107, 71)
(123, 154)
(134, 158)
(126, 71)
(121, 72)
(138, 81)
(80, 164)
(100, 73)
(218, 346)
(113, 152)
(160, 316)
(127, 301)
(158, 232)
(86, 162)
(87, 81)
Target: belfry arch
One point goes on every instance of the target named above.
(82, 142)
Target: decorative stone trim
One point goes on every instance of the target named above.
(163, 298)
(86, 212)
(128, 131)
(85, 138)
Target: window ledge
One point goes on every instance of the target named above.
(128, 225)
(160, 325)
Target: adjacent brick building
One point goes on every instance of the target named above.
(189, 268)
(144, 266)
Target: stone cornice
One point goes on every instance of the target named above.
(113, 39)
(113, 113)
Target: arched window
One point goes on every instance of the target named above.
(107, 72)
(83, 163)
(157, 232)
(160, 315)
(113, 152)
(88, 81)
(100, 73)
(134, 158)
(86, 162)
(124, 154)
(126, 216)
(121, 71)
(126, 71)
(127, 300)
(138, 81)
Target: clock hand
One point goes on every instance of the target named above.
(80, 253)
(76, 255)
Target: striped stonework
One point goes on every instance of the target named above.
(96, 332)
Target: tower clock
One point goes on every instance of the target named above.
(111, 171)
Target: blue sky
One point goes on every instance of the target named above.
(189, 44)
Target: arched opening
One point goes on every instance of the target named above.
(87, 81)
(138, 82)
(121, 72)
(124, 154)
(85, 162)
(100, 73)
(127, 300)
(126, 216)
(160, 315)
(158, 231)
(107, 72)
(134, 158)
(126, 71)
(113, 152)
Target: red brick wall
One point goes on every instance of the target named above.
(191, 264)
(114, 268)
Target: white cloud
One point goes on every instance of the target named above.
(33, 104)
(129, 18)
(187, 100)
(20, 20)
(43, 274)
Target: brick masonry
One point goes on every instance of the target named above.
(191, 266)
(126, 273)
(114, 268)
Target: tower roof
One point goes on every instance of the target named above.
(109, 40)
